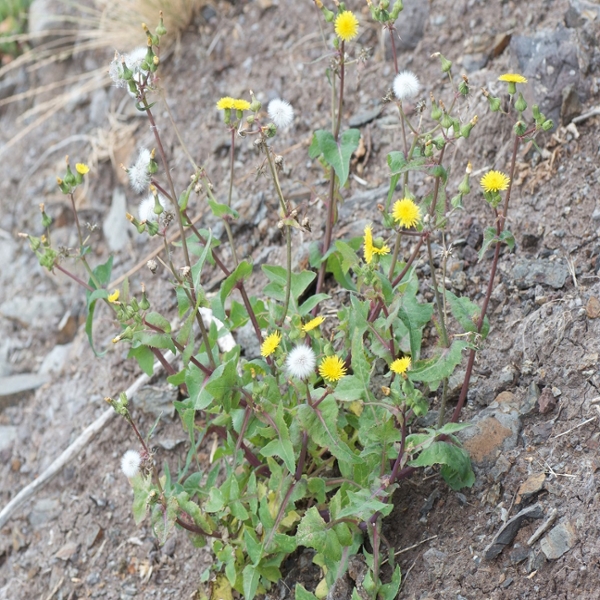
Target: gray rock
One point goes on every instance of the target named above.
(435, 560)
(528, 273)
(246, 338)
(364, 117)
(549, 59)
(13, 387)
(8, 434)
(507, 533)
(530, 400)
(558, 540)
(55, 360)
(156, 400)
(115, 226)
(45, 16)
(44, 311)
(44, 510)
(410, 25)
(363, 199)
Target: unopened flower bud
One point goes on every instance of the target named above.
(464, 188)
(548, 125)
(494, 103)
(436, 111)
(463, 86)
(396, 9)
(161, 29)
(446, 121)
(446, 64)
(520, 104)
(144, 303)
(151, 226)
(520, 128)
(466, 130)
(46, 220)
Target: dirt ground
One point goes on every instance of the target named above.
(539, 367)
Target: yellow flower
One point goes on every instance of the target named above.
(313, 323)
(512, 78)
(494, 181)
(270, 344)
(332, 368)
(406, 213)
(82, 169)
(114, 296)
(401, 365)
(225, 102)
(370, 248)
(346, 26)
(241, 104)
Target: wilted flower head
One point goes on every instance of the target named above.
(130, 463)
(146, 209)
(281, 113)
(406, 85)
(301, 362)
(139, 176)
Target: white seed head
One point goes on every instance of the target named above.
(139, 177)
(301, 362)
(281, 113)
(130, 463)
(406, 85)
(146, 209)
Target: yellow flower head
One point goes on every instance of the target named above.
(332, 368)
(401, 365)
(370, 248)
(313, 323)
(241, 104)
(114, 297)
(225, 102)
(346, 26)
(270, 344)
(406, 213)
(494, 181)
(512, 78)
(82, 169)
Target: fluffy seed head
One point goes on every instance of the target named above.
(301, 362)
(406, 85)
(130, 463)
(139, 177)
(146, 209)
(281, 113)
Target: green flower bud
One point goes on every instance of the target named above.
(520, 104)
(129, 312)
(494, 103)
(464, 188)
(436, 111)
(144, 303)
(396, 9)
(548, 125)
(520, 128)
(446, 121)
(428, 150)
(270, 130)
(466, 130)
(446, 64)
(535, 110)
(456, 201)
(134, 304)
(64, 188)
(250, 119)
(46, 220)
(70, 178)
(463, 88)
(158, 207)
(152, 227)
(127, 72)
(161, 29)
(329, 16)
(439, 142)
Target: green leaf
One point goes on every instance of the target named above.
(220, 210)
(321, 424)
(197, 267)
(215, 501)
(337, 154)
(223, 379)
(250, 577)
(415, 316)
(334, 266)
(242, 270)
(282, 445)
(457, 471)
(157, 320)
(489, 238)
(349, 388)
(440, 367)
(467, 313)
(450, 428)
(348, 255)
(144, 358)
(309, 304)
(102, 274)
(252, 546)
(389, 591)
(301, 593)
(314, 533)
(508, 238)
(360, 366)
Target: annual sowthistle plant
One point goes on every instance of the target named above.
(318, 430)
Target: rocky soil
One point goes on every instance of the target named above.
(535, 400)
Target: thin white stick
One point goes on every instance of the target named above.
(574, 428)
(88, 434)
